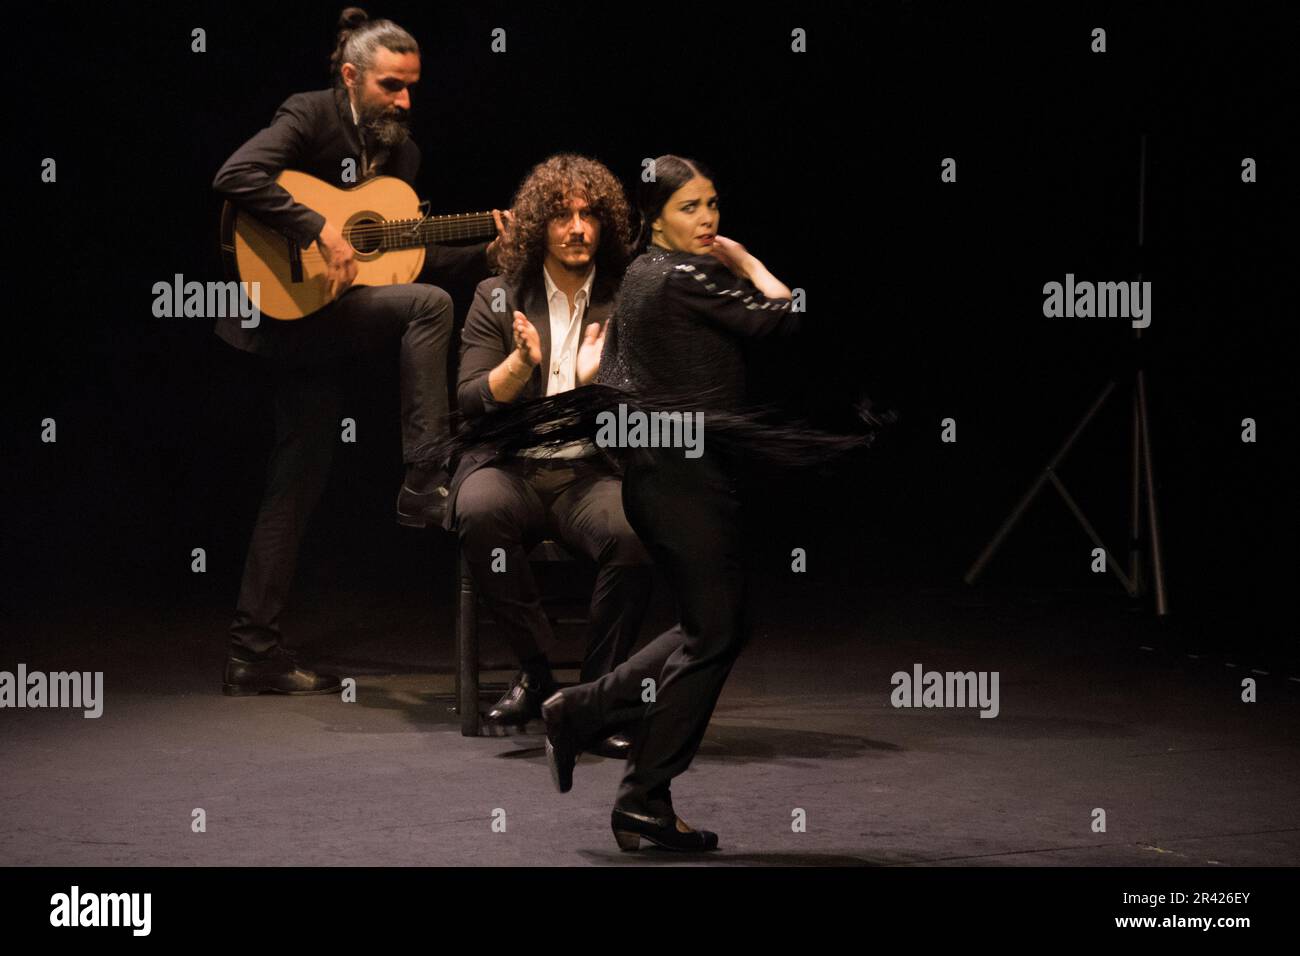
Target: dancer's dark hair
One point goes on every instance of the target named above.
(670, 173)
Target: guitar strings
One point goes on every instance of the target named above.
(476, 218)
(465, 227)
(310, 252)
(400, 230)
(461, 227)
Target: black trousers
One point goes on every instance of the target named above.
(517, 502)
(307, 406)
(687, 512)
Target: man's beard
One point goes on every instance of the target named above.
(384, 127)
(577, 268)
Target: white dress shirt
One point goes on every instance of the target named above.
(566, 336)
(566, 332)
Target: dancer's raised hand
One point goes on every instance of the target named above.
(732, 255)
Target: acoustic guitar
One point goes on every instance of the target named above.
(381, 219)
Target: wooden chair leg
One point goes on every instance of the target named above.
(467, 652)
(456, 628)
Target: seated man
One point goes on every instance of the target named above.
(524, 337)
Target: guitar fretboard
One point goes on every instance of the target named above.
(408, 233)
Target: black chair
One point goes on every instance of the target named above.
(468, 685)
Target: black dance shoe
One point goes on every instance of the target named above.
(523, 701)
(615, 746)
(671, 833)
(422, 509)
(275, 672)
(562, 745)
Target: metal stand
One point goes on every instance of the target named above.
(1142, 484)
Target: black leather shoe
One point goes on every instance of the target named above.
(615, 746)
(275, 672)
(422, 509)
(671, 833)
(523, 701)
(561, 742)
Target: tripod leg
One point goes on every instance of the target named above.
(1135, 503)
(991, 548)
(996, 542)
(1157, 555)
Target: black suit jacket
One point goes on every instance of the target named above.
(488, 337)
(314, 133)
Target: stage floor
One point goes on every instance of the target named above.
(1094, 713)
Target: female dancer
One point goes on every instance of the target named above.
(686, 305)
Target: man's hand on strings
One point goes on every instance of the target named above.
(340, 260)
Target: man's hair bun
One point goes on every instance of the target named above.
(359, 38)
(352, 17)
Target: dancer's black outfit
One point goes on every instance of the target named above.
(675, 342)
(679, 328)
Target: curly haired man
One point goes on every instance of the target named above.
(533, 331)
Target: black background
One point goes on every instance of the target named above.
(926, 294)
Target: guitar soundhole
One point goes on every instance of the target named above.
(365, 235)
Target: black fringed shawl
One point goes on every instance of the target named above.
(674, 343)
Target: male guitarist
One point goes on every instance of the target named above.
(363, 119)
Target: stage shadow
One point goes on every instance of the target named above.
(758, 744)
(729, 739)
(650, 855)
(732, 742)
(369, 667)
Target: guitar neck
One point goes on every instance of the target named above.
(409, 233)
